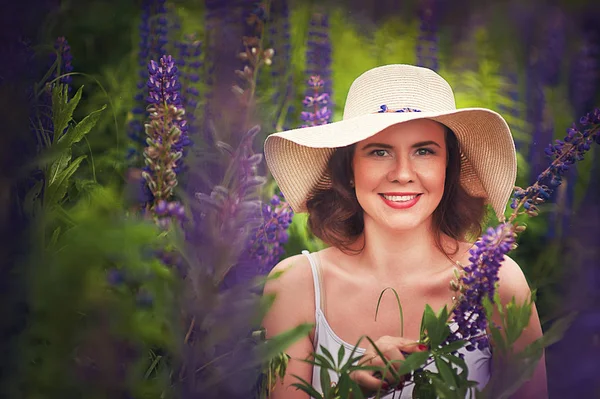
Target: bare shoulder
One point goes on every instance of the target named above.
(512, 281)
(291, 282)
(291, 273)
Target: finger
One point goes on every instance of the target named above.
(401, 343)
(368, 382)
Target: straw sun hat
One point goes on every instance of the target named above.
(298, 158)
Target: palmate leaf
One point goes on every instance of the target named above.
(435, 326)
(62, 169)
(445, 371)
(305, 386)
(58, 188)
(63, 108)
(412, 362)
(76, 133)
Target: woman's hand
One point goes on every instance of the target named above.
(392, 348)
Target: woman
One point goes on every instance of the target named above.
(398, 190)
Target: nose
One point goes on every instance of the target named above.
(402, 170)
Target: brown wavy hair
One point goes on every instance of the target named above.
(336, 217)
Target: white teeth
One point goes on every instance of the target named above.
(399, 198)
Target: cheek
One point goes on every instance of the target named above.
(435, 177)
(366, 174)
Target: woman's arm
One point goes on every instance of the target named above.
(513, 284)
(294, 304)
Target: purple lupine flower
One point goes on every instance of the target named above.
(317, 104)
(279, 40)
(479, 281)
(318, 57)
(165, 129)
(190, 64)
(164, 89)
(427, 42)
(551, 52)
(265, 244)
(564, 154)
(584, 76)
(272, 235)
(481, 275)
(65, 67)
(153, 39)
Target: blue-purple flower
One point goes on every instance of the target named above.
(564, 154)
(319, 56)
(481, 275)
(272, 235)
(65, 66)
(427, 42)
(316, 103)
(479, 281)
(165, 132)
(153, 39)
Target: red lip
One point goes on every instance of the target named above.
(401, 205)
(399, 194)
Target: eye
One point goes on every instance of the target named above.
(379, 153)
(425, 151)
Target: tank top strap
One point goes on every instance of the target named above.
(317, 279)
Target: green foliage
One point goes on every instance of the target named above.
(512, 370)
(56, 161)
(79, 323)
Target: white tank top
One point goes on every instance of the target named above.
(478, 362)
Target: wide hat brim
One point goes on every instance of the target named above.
(298, 158)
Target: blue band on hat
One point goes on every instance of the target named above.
(384, 108)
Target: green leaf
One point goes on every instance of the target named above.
(76, 133)
(457, 361)
(399, 308)
(437, 328)
(413, 362)
(517, 318)
(451, 347)
(341, 354)
(328, 355)
(323, 361)
(325, 381)
(357, 393)
(57, 190)
(305, 386)
(441, 389)
(343, 385)
(63, 108)
(279, 343)
(54, 238)
(59, 165)
(498, 339)
(423, 387)
(447, 373)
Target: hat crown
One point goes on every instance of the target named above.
(398, 86)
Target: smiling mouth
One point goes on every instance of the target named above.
(400, 198)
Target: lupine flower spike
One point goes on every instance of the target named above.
(165, 130)
(318, 112)
(481, 275)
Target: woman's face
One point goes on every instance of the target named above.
(399, 173)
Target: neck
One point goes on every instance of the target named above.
(393, 254)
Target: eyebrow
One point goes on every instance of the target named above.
(388, 146)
